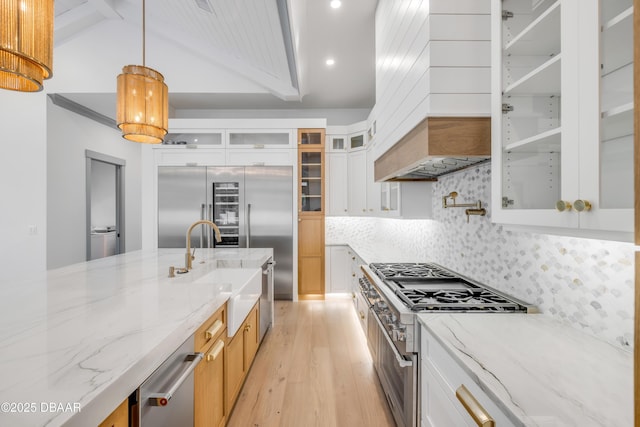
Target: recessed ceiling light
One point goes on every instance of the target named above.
(335, 4)
(330, 62)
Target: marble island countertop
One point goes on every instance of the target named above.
(539, 371)
(76, 341)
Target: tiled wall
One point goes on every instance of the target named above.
(586, 283)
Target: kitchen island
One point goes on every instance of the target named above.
(76, 341)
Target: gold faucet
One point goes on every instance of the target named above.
(476, 208)
(188, 258)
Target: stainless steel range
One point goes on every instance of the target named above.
(396, 292)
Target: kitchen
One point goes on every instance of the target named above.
(560, 272)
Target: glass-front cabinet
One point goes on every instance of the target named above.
(311, 182)
(562, 107)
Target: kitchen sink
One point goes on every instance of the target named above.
(244, 286)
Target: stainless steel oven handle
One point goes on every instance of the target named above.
(248, 225)
(402, 362)
(162, 399)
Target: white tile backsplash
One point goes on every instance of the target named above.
(587, 283)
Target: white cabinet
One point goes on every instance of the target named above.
(261, 138)
(336, 184)
(357, 164)
(442, 379)
(260, 157)
(338, 267)
(562, 113)
(191, 155)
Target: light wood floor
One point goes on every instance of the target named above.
(313, 369)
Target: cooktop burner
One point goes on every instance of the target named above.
(411, 270)
(471, 299)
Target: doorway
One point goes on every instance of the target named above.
(105, 205)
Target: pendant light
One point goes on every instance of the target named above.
(26, 44)
(143, 101)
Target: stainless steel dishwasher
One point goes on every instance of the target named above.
(166, 397)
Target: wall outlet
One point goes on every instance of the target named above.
(33, 230)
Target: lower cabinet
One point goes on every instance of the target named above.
(241, 351)
(450, 397)
(209, 394)
(119, 417)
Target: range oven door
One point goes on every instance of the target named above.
(398, 376)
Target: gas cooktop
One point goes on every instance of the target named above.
(430, 287)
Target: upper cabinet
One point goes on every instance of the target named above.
(562, 108)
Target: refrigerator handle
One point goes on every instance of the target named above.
(248, 225)
(202, 226)
(210, 234)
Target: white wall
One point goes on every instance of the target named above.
(68, 136)
(22, 184)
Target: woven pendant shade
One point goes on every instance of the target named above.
(26, 44)
(143, 105)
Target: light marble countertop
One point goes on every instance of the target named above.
(86, 335)
(540, 371)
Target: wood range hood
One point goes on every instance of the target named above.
(436, 146)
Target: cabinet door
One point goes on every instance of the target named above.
(535, 97)
(373, 187)
(251, 332)
(119, 417)
(311, 137)
(337, 181)
(340, 273)
(209, 396)
(234, 372)
(357, 162)
(311, 257)
(311, 180)
(606, 131)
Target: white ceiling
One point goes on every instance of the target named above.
(249, 38)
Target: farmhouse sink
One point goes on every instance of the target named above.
(244, 286)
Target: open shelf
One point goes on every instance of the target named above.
(617, 49)
(617, 122)
(544, 80)
(547, 142)
(541, 37)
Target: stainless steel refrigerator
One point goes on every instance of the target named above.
(252, 207)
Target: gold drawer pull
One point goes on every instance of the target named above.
(477, 412)
(213, 331)
(215, 351)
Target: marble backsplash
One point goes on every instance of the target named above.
(587, 283)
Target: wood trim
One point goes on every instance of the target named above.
(636, 120)
(436, 136)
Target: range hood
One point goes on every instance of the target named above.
(436, 146)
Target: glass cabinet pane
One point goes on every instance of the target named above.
(311, 138)
(356, 141)
(311, 175)
(214, 139)
(337, 143)
(258, 138)
(616, 104)
(531, 104)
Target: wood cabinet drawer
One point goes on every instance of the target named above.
(119, 417)
(210, 329)
(437, 361)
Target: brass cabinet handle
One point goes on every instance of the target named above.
(582, 205)
(353, 258)
(362, 315)
(215, 351)
(473, 407)
(353, 295)
(353, 274)
(563, 205)
(247, 328)
(213, 331)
